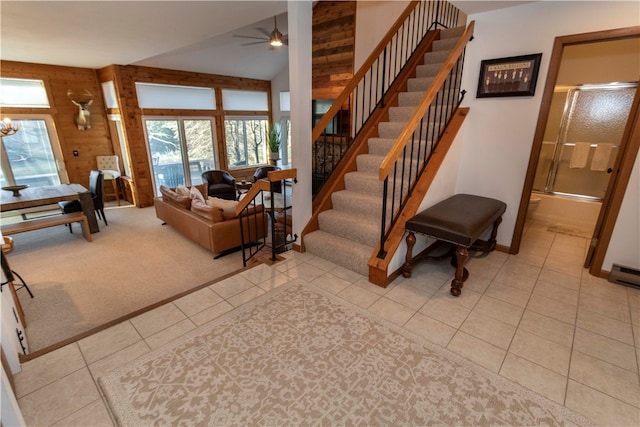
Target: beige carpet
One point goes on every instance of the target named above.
(132, 263)
(300, 356)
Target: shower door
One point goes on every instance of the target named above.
(584, 130)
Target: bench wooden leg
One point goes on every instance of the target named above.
(406, 268)
(461, 273)
(487, 246)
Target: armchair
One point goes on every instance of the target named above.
(262, 172)
(220, 183)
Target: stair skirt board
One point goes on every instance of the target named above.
(349, 233)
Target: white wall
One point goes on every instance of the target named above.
(279, 84)
(624, 248)
(373, 20)
(495, 155)
(300, 20)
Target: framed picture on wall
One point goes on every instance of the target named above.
(512, 76)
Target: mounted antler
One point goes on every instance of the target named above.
(82, 118)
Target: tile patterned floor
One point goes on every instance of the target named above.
(537, 318)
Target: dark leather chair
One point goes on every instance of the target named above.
(220, 184)
(263, 171)
(96, 186)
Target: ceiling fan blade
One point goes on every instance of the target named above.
(251, 37)
(254, 43)
(264, 31)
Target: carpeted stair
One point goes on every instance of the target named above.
(350, 232)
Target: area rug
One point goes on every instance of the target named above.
(300, 356)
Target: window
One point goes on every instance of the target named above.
(23, 93)
(246, 140)
(245, 100)
(31, 155)
(152, 95)
(180, 149)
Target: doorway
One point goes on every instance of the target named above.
(578, 60)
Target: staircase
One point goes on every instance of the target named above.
(349, 232)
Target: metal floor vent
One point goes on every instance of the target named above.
(626, 276)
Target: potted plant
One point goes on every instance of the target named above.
(274, 143)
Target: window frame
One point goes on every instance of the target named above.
(258, 115)
(183, 143)
(54, 141)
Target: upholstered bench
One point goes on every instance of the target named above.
(459, 220)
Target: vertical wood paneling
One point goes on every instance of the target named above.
(333, 47)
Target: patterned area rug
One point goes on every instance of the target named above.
(299, 356)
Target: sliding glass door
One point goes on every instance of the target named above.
(31, 156)
(180, 149)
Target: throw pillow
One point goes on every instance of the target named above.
(207, 212)
(183, 190)
(195, 194)
(227, 206)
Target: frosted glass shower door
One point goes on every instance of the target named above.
(596, 115)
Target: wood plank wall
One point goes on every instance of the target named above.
(333, 41)
(58, 80)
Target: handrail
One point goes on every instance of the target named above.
(402, 167)
(404, 137)
(334, 133)
(250, 200)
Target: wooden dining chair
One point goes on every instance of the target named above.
(110, 168)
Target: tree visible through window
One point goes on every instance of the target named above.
(246, 141)
(181, 149)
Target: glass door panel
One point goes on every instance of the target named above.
(180, 150)
(165, 148)
(199, 141)
(28, 156)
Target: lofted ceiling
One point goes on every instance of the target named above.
(196, 36)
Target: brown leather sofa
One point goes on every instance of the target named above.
(208, 226)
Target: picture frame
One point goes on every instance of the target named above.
(511, 76)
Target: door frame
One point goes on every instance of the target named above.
(627, 152)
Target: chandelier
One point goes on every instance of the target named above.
(8, 128)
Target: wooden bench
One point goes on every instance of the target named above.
(49, 221)
(459, 220)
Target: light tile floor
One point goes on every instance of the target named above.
(537, 318)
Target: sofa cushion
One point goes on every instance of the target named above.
(209, 213)
(170, 196)
(228, 206)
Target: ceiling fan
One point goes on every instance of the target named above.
(275, 38)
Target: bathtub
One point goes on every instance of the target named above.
(554, 209)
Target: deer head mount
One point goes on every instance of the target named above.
(82, 118)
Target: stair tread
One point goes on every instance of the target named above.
(351, 227)
(340, 251)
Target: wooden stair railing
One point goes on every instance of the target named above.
(367, 90)
(433, 10)
(412, 195)
(255, 197)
